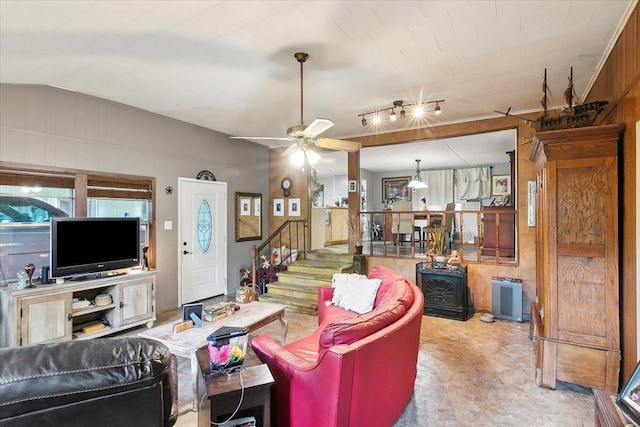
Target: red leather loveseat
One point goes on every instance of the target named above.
(353, 370)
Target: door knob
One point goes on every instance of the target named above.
(185, 252)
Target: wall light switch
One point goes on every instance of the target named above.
(168, 225)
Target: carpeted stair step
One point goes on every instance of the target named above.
(296, 305)
(298, 290)
(319, 268)
(318, 255)
(304, 279)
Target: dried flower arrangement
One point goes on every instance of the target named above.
(439, 239)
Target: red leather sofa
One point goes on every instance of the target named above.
(352, 370)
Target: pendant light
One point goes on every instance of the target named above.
(417, 182)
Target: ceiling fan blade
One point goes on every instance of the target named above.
(317, 127)
(261, 137)
(338, 144)
(290, 149)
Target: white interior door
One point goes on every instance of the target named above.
(202, 239)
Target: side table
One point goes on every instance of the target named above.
(223, 392)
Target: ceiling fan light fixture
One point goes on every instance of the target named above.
(297, 158)
(312, 157)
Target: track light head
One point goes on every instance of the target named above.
(392, 116)
(364, 121)
(402, 113)
(376, 119)
(437, 110)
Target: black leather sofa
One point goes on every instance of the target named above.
(101, 382)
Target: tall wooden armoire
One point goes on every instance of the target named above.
(576, 313)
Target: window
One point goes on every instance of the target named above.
(29, 197)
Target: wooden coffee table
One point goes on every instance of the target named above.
(252, 316)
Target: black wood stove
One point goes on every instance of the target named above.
(445, 290)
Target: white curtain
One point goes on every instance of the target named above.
(440, 191)
(473, 183)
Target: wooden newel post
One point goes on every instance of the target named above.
(254, 272)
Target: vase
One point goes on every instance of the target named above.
(359, 249)
(440, 258)
(359, 264)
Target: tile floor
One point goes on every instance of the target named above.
(469, 374)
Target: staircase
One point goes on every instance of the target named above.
(297, 287)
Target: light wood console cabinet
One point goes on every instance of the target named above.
(45, 313)
(576, 315)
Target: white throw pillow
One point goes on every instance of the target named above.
(354, 292)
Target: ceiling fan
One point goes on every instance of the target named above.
(305, 137)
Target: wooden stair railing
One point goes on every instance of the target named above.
(291, 235)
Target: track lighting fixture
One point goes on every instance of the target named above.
(417, 181)
(416, 111)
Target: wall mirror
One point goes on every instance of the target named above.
(248, 216)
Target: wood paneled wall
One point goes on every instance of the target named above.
(619, 83)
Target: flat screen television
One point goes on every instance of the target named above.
(82, 246)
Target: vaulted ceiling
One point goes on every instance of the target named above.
(229, 65)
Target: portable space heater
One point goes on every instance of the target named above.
(506, 298)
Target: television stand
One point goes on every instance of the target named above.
(25, 312)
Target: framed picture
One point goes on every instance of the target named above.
(278, 207)
(396, 188)
(245, 207)
(294, 207)
(629, 399)
(353, 186)
(500, 185)
(189, 309)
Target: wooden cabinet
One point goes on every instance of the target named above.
(45, 313)
(337, 228)
(576, 313)
(503, 238)
(45, 319)
(135, 301)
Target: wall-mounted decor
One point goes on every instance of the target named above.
(500, 185)
(353, 184)
(205, 175)
(248, 216)
(278, 207)
(396, 188)
(294, 207)
(286, 187)
(531, 203)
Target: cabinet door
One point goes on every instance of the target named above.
(136, 301)
(45, 319)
